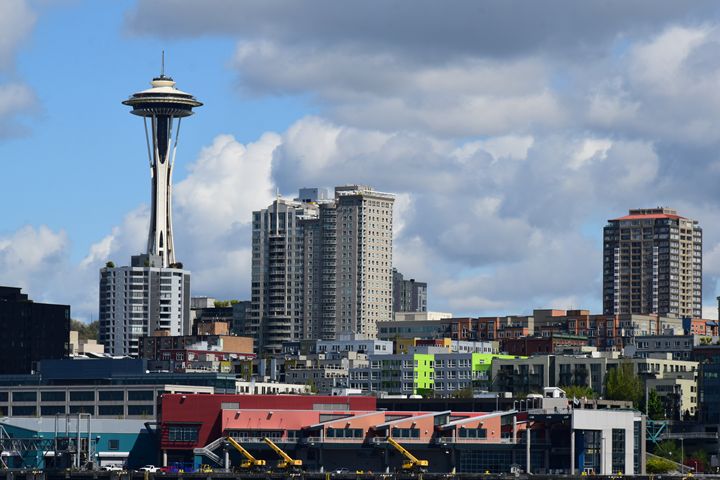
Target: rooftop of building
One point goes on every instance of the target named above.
(650, 214)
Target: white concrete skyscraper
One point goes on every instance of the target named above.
(153, 293)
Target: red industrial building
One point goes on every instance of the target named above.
(331, 431)
(335, 432)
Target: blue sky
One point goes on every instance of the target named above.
(508, 141)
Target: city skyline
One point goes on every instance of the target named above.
(507, 152)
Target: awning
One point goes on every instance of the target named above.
(477, 418)
(410, 418)
(348, 418)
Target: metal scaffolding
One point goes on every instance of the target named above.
(74, 448)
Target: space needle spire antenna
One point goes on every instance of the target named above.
(162, 107)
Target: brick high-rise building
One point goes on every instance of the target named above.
(652, 263)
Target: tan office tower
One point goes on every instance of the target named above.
(364, 259)
(348, 264)
(652, 263)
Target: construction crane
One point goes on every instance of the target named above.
(250, 462)
(412, 463)
(287, 460)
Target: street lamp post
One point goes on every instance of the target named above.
(682, 452)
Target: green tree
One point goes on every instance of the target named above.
(698, 459)
(577, 391)
(659, 465)
(705, 340)
(313, 386)
(86, 331)
(225, 303)
(668, 449)
(621, 383)
(110, 264)
(466, 392)
(656, 410)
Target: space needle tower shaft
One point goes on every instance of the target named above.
(162, 107)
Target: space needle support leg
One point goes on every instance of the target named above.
(177, 136)
(147, 141)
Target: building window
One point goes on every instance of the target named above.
(111, 410)
(618, 450)
(113, 444)
(140, 395)
(183, 433)
(139, 410)
(472, 432)
(83, 409)
(24, 411)
(406, 432)
(52, 397)
(112, 396)
(344, 433)
(49, 410)
(24, 396)
(82, 396)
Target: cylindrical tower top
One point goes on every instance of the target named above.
(162, 99)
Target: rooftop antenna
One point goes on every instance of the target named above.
(162, 65)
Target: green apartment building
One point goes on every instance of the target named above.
(427, 374)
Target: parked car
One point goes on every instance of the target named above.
(112, 468)
(149, 468)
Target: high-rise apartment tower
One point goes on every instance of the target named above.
(276, 311)
(652, 263)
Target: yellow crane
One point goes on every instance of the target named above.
(287, 460)
(412, 462)
(250, 462)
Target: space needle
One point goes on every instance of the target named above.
(162, 107)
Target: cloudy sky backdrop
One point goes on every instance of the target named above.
(509, 130)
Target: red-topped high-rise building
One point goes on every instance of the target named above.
(652, 263)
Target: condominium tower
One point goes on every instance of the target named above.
(321, 267)
(276, 308)
(140, 299)
(652, 263)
